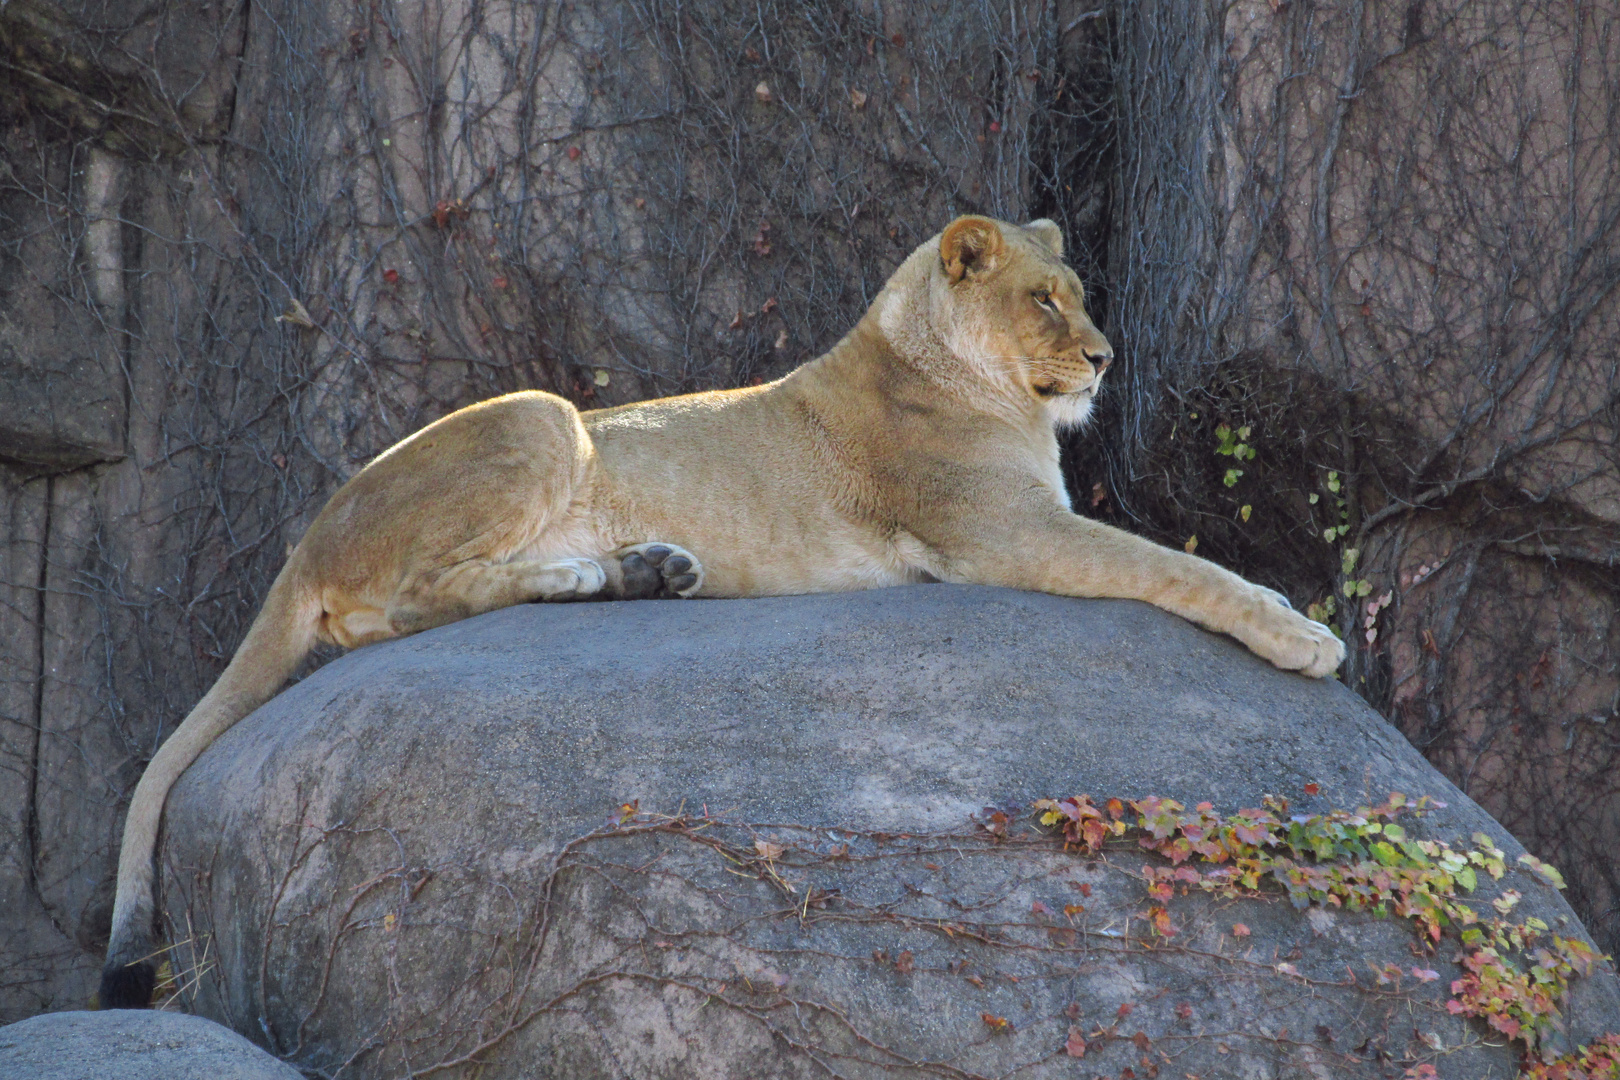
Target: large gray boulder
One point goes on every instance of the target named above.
(421, 856)
(128, 1045)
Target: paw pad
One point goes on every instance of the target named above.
(651, 570)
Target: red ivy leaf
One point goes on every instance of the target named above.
(1075, 1047)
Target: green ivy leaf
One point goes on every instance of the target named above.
(1546, 873)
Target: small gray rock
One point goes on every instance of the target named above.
(129, 1045)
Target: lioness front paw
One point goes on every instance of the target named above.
(655, 569)
(1289, 640)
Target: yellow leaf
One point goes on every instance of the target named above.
(297, 314)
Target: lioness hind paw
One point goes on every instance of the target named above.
(655, 569)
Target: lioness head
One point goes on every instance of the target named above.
(1001, 299)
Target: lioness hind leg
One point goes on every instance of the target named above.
(649, 570)
(472, 588)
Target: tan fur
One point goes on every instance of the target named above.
(920, 447)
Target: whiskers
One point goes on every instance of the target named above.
(1012, 363)
(1066, 410)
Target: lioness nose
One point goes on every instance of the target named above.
(1100, 360)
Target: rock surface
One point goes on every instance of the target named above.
(131, 1046)
(416, 856)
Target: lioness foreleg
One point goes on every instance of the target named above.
(1048, 549)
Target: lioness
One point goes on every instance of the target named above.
(922, 447)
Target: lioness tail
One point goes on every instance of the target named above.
(275, 645)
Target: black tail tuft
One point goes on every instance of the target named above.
(127, 986)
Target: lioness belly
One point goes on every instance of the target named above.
(735, 478)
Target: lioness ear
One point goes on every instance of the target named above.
(969, 245)
(1047, 232)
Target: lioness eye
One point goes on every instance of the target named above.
(1043, 297)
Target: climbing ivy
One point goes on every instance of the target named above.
(1517, 974)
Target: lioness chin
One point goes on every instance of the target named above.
(922, 447)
